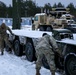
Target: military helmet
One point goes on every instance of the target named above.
(3, 25)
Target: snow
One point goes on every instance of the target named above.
(31, 33)
(68, 41)
(74, 35)
(40, 14)
(13, 65)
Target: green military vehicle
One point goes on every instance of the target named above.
(67, 45)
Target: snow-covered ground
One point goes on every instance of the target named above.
(13, 65)
(74, 35)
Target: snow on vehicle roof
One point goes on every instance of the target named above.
(68, 41)
(38, 34)
(31, 34)
(62, 29)
(40, 14)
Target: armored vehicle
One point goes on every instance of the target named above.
(67, 45)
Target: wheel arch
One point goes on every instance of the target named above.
(70, 59)
(74, 54)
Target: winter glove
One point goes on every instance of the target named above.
(58, 51)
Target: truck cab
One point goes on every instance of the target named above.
(41, 23)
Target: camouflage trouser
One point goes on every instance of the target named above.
(48, 55)
(2, 40)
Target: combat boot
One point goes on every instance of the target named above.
(52, 72)
(37, 72)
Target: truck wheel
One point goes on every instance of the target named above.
(29, 51)
(70, 64)
(49, 29)
(41, 29)
(17, 48)
(44, 63)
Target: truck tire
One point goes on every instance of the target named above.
(29, 51)
(17, 48)
(70, 64)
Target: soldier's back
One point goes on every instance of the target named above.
(3, 29)
(43, 43)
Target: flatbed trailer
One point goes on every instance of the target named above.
(24, 42)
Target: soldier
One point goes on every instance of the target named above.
(4, 37)
(46, 46)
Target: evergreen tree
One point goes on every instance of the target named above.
(72, 9)
(29, 8)
(54, 6)
(9, 12)
(47, 8)
(2, 9)
(60, 5)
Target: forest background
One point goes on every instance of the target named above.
(30, 8)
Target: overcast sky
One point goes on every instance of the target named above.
(42, 2)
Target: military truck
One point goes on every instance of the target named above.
(69, 18)
(59, 23)
(47, 23)
(57, 18)
(41, 22)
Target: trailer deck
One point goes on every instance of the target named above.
(31, 34)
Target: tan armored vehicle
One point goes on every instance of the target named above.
(59, 23)
(47, 23)
(58, 18)
(69, 18)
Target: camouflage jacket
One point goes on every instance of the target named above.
(3, 31)
(47, 42)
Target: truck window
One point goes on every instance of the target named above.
(36, 18)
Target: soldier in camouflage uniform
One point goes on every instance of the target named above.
(46, 46)
(4, 37)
